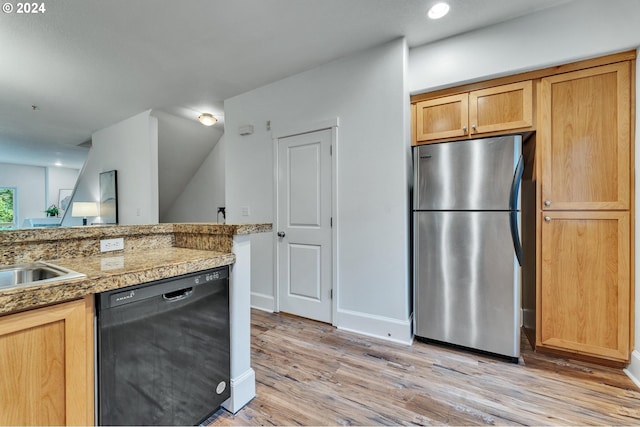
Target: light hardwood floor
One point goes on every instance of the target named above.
(309, 373)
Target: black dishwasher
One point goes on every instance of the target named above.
(163, 350)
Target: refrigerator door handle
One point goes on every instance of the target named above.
(515, 185)
(517, 246)
(513, 206)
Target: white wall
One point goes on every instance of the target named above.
(31, 189)
(577, 30)
(204, 193)
(37, 187)
(59, 178)
(183, 144)
(573, 31)
(367, 93)
(131, 148)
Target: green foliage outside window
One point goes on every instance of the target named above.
(6, 206)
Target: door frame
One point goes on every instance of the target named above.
(285, 131)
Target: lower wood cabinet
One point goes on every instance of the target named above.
(46, 365)
(585, 290)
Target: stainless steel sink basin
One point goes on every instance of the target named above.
(20, 275)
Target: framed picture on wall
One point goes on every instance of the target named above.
(64, 198)
(109, 197)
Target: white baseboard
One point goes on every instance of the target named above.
(633, 370)
(263, 302)
(399, 331)
(243, 389)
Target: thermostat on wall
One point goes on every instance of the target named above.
(245, 130)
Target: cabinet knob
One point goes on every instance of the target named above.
(473, 127)
(547, 219)
(280, 234)
(547, 202)
(464, 129)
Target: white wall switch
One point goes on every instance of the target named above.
(245, 210)
(108, 245)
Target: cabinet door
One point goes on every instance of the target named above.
(584, 134)
(585, 283)
(501, 108)
(46, 360)
(440, 118)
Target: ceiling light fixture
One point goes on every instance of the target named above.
(207, 119)
(438, 10)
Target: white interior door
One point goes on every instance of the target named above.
(304, 225)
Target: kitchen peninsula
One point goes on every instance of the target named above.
(46, 330)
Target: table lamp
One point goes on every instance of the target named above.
(84, 209)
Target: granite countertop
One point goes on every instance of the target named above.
(10, 237)
(112, 271)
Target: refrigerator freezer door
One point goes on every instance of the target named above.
(467, 280)
(466, 175)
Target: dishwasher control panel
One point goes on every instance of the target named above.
(143, 291)
(209, 276)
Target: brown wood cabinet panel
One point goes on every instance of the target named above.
(47, 365)
(584, 298)
(584, 133)
(501, 108)
(489, 111)
(442, 117)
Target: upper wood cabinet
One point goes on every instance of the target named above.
(475, 113)
(584, 134)
(46, 360)
(446, 117)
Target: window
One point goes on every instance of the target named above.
(8, 206)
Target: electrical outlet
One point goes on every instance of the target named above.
(109, 245)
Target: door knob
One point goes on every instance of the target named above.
(280, 234)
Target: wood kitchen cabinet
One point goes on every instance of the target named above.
(46, 361)
(584, 132)
(476, 113)
(585, 160)
(584, 295)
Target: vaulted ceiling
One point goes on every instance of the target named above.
(87, 64)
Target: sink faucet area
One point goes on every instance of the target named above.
(22, 275)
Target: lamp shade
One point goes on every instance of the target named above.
(84, 209)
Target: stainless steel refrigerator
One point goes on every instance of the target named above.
(467, 250)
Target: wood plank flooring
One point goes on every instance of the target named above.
(309, 373)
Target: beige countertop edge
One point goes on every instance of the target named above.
(27, 235)
(243, 229)
(230, 229)
(138, 268)
(100, 231)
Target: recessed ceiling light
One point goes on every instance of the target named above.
(207, 119)
(438, 10)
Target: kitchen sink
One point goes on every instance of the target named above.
(19, 275)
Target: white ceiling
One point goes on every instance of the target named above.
(88, 64)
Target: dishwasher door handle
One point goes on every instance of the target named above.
(178, 295)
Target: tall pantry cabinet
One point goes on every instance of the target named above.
(585, 163)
